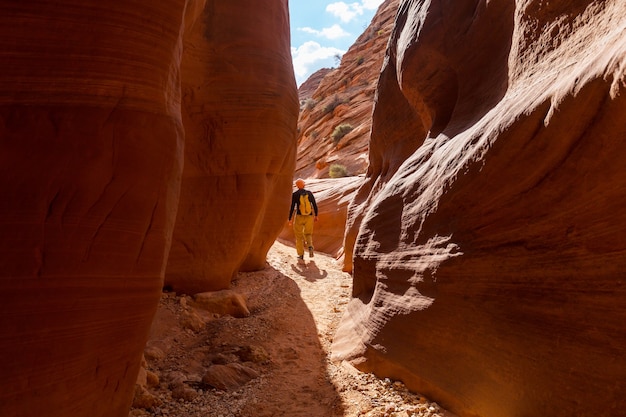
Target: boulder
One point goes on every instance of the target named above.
(488, 236)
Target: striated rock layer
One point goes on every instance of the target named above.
(345, 96)
(91, 154)
(488, 237)
(240, 111)
(307, 88)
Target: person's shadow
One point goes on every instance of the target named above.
(309, 271)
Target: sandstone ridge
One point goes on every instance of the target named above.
(344, 96)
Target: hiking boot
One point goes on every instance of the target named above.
(301, 259)
(311, 252)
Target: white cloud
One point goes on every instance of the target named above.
(345, 12)
(348, 12)
(311, 55)
(308, 53)
(333, 32)
(371, 4)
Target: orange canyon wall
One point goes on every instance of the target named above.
(240, 110)
(487, 240)
(92, 133)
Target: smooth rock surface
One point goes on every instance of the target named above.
(91, 144)
(92, 130)
(488, 237)
(240, 110)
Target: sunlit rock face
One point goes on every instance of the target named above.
(488, 238)
(91, 156)
(344, 96)
(240, 110)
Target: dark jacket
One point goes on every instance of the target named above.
(295, 202)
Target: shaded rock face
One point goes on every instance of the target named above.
(488, 236)
(345, 96)
(91, 154)
(90, 161)
(240, 111)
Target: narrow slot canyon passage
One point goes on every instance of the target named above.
(284, 344)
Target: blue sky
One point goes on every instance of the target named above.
(322, 29)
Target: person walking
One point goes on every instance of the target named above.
(302, 214)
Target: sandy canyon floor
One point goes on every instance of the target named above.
(280, 353)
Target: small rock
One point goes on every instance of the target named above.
(142, 376)
(152, 379)
(193, 321)
(144, 399)
(229, 377)
(153, 353)
(184, 393)
(223, 358)
(223, 302)
(138, 413)
(176, 379)
(256, 354)
(398, 385)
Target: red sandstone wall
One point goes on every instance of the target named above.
(90, 159)
(240, 110)
(91, 155)
(488, 237)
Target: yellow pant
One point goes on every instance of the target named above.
(303, 229)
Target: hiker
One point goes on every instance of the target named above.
(302, 214)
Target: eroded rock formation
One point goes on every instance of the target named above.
(345, 96)
(91, 154)
(240, 111)
(307, 89)
(488, 237)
